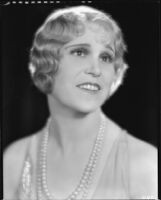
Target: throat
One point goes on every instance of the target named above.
(71, 134)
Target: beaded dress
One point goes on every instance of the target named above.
(111, 180)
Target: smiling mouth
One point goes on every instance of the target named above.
(94, 87)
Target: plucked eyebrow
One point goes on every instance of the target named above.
(77, 45)
(107, 46)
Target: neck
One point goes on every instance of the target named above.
(71, 130)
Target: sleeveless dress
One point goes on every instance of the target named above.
(111, 180)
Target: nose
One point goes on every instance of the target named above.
(93, 68)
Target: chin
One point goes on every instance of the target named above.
(90, 104)
(87, 107)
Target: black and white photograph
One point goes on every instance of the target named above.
(80, 100)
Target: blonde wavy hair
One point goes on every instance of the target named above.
(61, 27)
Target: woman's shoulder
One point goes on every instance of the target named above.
(138, 148)
(12, 165)
(16, 148)
(13, 160)
(143, 160)
(143, 167)
(15, 152)
(141, 148)
(142, 152)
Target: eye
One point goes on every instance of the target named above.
(79, 52)
(106, 57)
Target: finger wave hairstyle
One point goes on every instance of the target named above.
(61, 27)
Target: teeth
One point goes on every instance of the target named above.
(89, 87)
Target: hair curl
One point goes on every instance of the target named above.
(61, 27)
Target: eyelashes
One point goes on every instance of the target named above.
(83, 52)
(107, 57)
(79, 52)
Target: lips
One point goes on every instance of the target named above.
(89, 86)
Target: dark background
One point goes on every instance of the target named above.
(135, 106)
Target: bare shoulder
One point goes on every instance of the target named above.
(141, 149)
(14, 149)
(13, 159)
(143, 168)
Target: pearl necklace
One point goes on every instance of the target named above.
(87, 176)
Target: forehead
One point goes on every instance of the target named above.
(101, 34)
(95, 34)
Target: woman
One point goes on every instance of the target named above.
(77, 60)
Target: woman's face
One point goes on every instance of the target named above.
(85, 71)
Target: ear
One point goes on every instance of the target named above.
(32, 69)
(118, 72)
(120, 69)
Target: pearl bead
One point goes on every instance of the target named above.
(87, 176)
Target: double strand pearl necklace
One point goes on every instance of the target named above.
(82, 188)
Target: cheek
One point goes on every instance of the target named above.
(109, 74)
(66, 72)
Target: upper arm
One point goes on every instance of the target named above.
(12, 165)
(144, 171)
